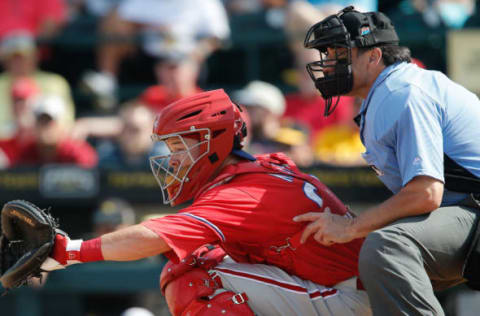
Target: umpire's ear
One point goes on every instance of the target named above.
(375, 56)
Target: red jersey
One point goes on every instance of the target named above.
(157, 97)
(29, 15)
(67, 151)
(310, 111)
(248, 210)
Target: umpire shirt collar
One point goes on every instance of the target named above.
(360, 118)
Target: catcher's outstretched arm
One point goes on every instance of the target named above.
(30, 243)
(132, 243)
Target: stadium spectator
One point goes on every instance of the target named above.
(23, 92)
(340, 144)
(265, 105)
(293, 140)
(111, 215)
(133, 146)
(19, 59)
(42, 18)
(51, 142)
(196, 27)
(177, 75)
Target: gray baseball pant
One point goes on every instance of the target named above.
(403, 263)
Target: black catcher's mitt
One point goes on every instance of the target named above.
(28, 235)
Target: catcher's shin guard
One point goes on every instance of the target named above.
(190, 290)
(205, 258)
(192, 294)
(190, 286)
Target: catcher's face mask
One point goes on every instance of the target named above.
(172, 170)
(334, 37)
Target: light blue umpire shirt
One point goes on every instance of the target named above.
(410, 118)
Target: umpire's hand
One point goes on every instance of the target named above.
(328, 228)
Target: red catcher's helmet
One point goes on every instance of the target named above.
(217, 126)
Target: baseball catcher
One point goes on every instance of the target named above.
(256, 261)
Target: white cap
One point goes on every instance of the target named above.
(260, 93)
(18, 42)
(51, 105)
(137, 311)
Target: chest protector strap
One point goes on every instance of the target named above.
(277, 163)
(458, 178)
(471, 268)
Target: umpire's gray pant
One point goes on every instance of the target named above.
(403, 263)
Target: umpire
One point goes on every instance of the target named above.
(422, 137)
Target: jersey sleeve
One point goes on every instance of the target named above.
(184, 234)
(419, 140)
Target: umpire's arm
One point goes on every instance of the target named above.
(421, 195)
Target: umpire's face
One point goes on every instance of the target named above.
(365, 63)
(366, 66)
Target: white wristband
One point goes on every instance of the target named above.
(73, 251)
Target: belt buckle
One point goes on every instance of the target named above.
(238, 298)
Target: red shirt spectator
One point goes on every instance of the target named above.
(66, 151)
(34, 16)
(309, 111)
(177, 76)
(49, 141)
(157, 97)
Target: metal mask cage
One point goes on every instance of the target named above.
(172, 176)
(334, 65)
(332, 75)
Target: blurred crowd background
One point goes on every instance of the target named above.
(81, 80)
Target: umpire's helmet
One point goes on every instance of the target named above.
(346, 29)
